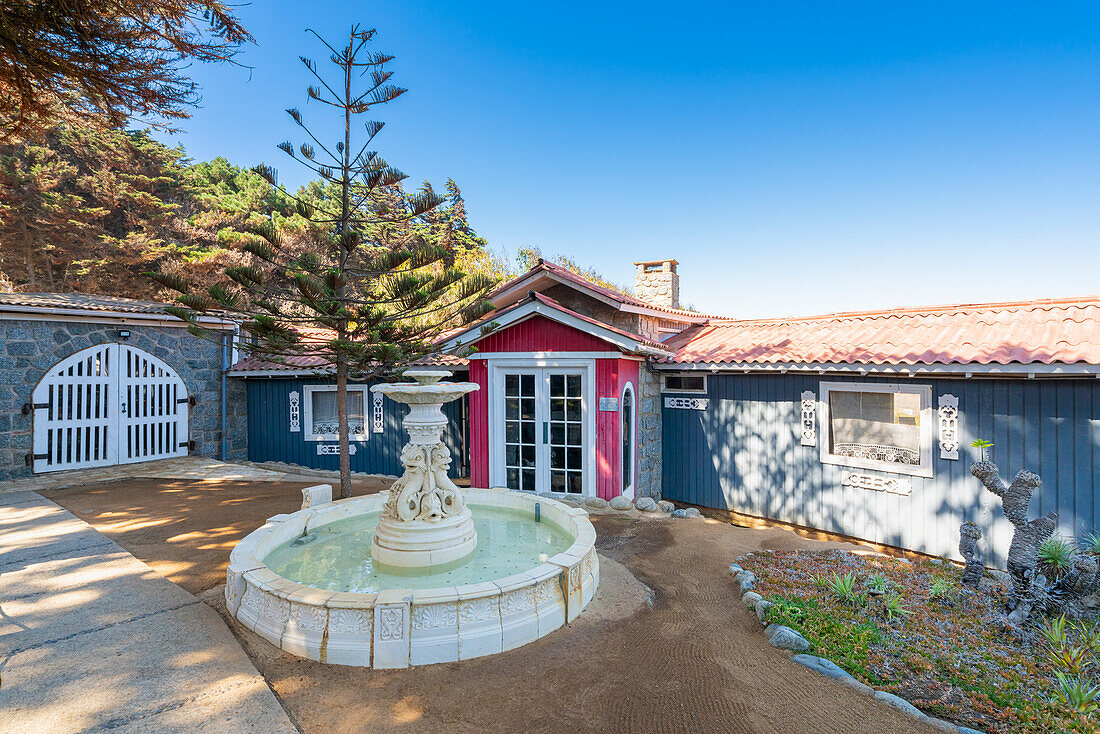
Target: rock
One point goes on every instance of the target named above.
(595, 503)
(687, 512)
(936, 561)
(646, 504)
(829, 669)
(665, 506)
(965, 730)
(679, 514)
(762, 608)
(750, 599)
(941, 725)
(900, 704)
(786, 638)
(621, 503)
(735, 569)
(747, 579)
(1001, 577)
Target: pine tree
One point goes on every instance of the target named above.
(360, 283)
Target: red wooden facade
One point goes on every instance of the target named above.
(547, 337)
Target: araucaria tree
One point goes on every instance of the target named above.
(362, 286)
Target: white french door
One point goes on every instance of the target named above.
(542, 431)
(108, 404)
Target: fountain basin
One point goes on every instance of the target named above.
(399, 626)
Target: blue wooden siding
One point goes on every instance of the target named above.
(270, 439)
(744, 453)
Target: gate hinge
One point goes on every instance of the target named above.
(30, 458)
(190, 400)
(28, 407)
(189, 445)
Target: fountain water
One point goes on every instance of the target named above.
(423, 573)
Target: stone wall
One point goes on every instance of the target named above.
(593, 309)
(658, 283)
(29, 347)
(649, 434)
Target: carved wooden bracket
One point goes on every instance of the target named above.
(809, 418)
(949, 427)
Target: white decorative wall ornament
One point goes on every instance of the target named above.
(687, 403)
(379, 419)
(295, 412)
(333, 449)
(949, 427)
(392, 623)
(893, 485)
(809, 418)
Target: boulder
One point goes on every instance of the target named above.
(762, 608)
(747, 579)
(900, 704)
(621, 503)
(750, 599)
(665, 506)
(687, 512)
(646, 504)
(595, 503)
(735, 568)
(786, 638)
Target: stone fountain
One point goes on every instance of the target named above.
(426, 521)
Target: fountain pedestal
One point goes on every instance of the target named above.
(425, 522)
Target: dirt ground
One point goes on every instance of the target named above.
(693, 660)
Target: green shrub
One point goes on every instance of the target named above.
(1092, 543)
(843, 587)
(878, 583)
(1054, 631)
(1056, 556)
(1090, 634)
(1071, 659)
(941, 588)
(893, 607)
(1075, 692)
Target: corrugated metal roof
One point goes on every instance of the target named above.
(83, 301)
(1041, 331)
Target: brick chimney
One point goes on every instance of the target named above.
(656, 282)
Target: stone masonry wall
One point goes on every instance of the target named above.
(28, 348)
(649, 434)
(658, 283)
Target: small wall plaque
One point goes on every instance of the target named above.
(609, 404)
(892, 485)
(333, 449)
(687, 403)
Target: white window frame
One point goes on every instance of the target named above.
(307, 413)
(497, 366)
(680, 391)
(825, 438)
(629, 492)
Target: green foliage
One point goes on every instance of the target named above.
(940, 588)
(821, 581)
(894, 609)
(1089, 634)
(1092, 543)
(1056, 556)
(877, 583)
(1076, 693)
(528, 257)
(847, 643)
(983, 445)
(1072, 659)
(843, 588)
(1053, 631)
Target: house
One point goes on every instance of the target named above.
(852, 423)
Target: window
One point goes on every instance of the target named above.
(627, 412)
(322, 421)
(878, 426)
(685, 383)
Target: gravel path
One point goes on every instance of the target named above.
(694, 660)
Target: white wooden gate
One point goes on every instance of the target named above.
(108, 404)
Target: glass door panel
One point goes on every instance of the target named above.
(520, 437)
(566, 433)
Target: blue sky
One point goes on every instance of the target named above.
(796, 158)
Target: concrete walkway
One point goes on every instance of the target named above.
(185, 467)
(92, 640)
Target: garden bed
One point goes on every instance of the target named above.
(924, 637)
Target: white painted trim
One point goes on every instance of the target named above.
(307, 413)
(533, 308)
(630, 491)
(679, 391)
(495, 417)
(289, 374)
(926, 420)
(892, 370)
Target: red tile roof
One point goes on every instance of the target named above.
(1041, 331)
